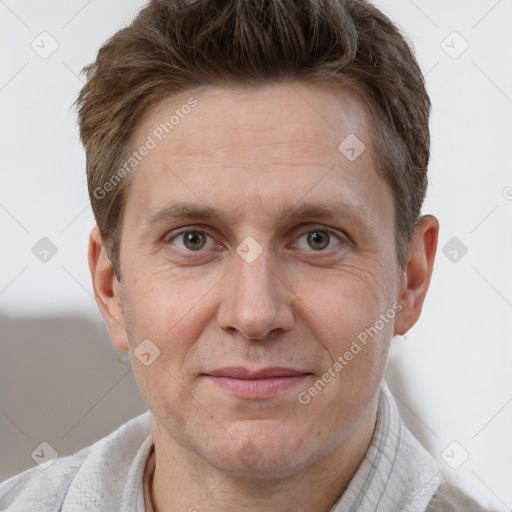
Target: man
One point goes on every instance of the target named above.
(256, 170)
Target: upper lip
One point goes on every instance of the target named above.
(240, 372)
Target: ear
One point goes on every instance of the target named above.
(107, 290)
(416, 276)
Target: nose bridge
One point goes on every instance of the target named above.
(255, 302)
(254, 279)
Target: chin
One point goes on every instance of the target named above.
(263, 453)
(260, 467)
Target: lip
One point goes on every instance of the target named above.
(256, 383)
(240, 372)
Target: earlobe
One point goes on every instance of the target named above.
(416, 276)
(107, 291)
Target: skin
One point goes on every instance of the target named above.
(247, 154)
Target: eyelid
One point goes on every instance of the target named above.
(171, 235)
(307, 227)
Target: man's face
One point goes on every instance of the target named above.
(249, 307)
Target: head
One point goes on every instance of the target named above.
(256, 171)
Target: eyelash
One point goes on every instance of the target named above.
(196, 254)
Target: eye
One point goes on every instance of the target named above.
(319, 240)
(191, 240)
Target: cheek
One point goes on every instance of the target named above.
(168, 397)
(340, 305)
(172, 312)
(343, 311)
(168, 309)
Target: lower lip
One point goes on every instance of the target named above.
(257, 388)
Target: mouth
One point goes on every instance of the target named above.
(256, 383)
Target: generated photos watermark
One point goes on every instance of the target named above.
(152, 140)
(369, 333)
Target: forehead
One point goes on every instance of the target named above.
(268, 114)
(256, 150)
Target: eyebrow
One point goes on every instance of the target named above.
(315, 210)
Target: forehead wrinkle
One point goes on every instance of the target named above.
(296, 154)
(190, 147)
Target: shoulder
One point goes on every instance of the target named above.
(41, 489)
(109, 469)
(450, 498)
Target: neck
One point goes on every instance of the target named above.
(185, 481)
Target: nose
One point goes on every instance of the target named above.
(256, 302)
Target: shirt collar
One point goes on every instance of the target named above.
(397, 473)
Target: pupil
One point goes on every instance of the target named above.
(318, 240)
(193, 240)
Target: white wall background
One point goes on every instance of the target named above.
(451, 374)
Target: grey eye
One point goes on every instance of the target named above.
(318, 240)
(192, 240)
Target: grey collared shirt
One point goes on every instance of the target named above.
(397, 474)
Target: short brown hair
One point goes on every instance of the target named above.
(174, 46)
